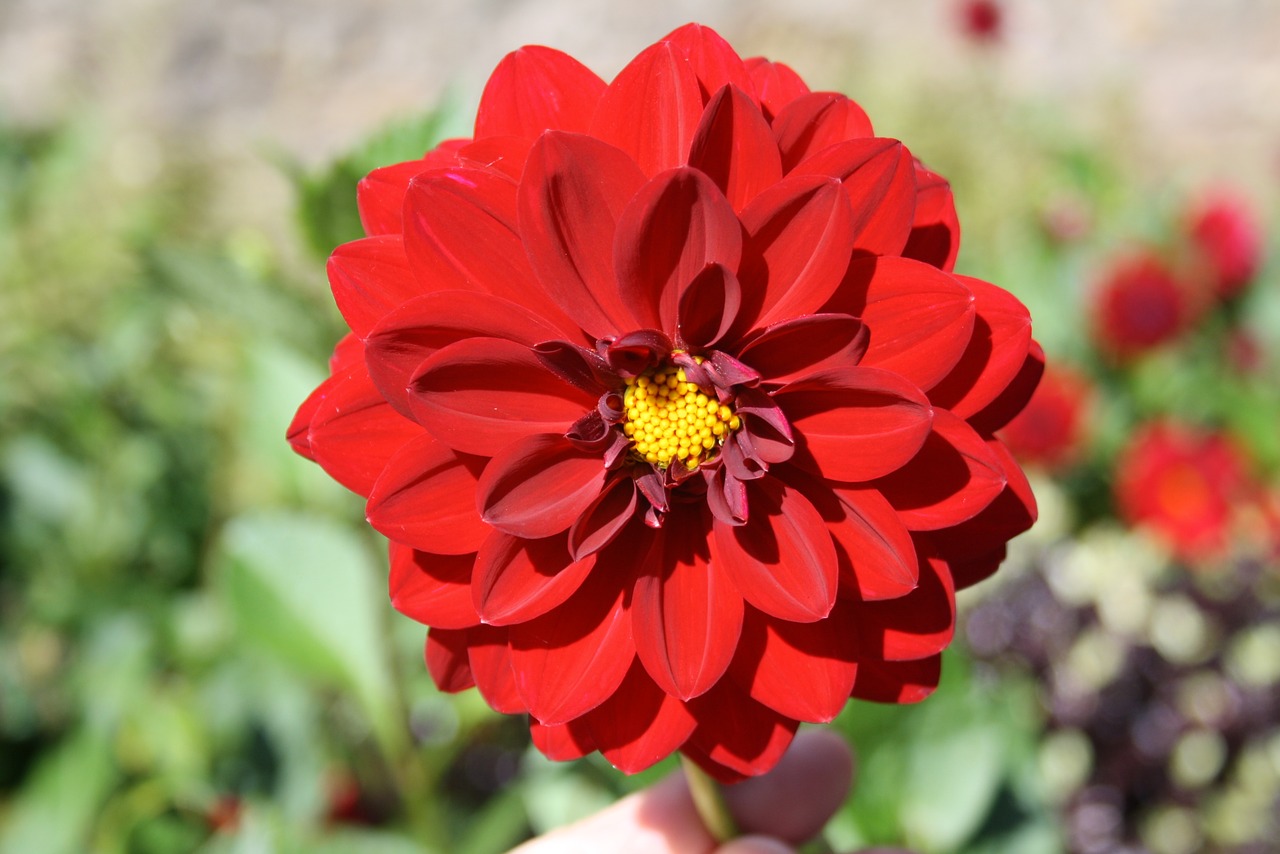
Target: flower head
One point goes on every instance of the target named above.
(1050, 430)
(663, 390)
(981, 20)
(1227, 240)
(1140, 305)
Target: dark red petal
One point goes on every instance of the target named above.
(913, 626)
(516, 580)
(815, 121)
(685, 611)
(877, 555)
(505, 154)
(675, 226)
(535, 89)
(737, 733)
(491, 665)
(605, 518)
(446, 657)
(573, 192)
(935, 229)
(969, 571)
(735, 147)
(480, 395)
(652, 108)
(921, 319)
(776, 84)
(996, 352)
(369, 278)
(708, 307)
(720, 773)
(426, 498)
(408, 335)
(898, 681)
(793, 349)
(432, 589)
(640, 724)
(380, 194)
(539, 486)
(562, 742)
(953, 478)
(461, 233)
(857, 424)
(782, 560)
(354, 432)
(714, 62)
(800, 670)
(1002, 410)
(879, 177)
(800, 236)
(572, 659)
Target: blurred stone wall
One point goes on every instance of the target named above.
(234, 80)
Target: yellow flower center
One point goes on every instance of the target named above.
(670, 419)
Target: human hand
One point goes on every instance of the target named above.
(780, 809)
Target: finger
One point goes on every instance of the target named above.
(755, 845)
(794, 800)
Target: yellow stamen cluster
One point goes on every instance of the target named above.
(669, 418)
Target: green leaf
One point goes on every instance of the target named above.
(55, 810)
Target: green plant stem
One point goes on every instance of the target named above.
(709, 801)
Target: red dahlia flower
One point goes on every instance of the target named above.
(1227, 238)
(1139, 306)
(676, 418)
(1050, 429)
(1185, 484)
(980, 20)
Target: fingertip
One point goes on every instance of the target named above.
(755, 845)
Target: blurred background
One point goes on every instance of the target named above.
(196, 648)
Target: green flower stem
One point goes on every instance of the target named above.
(709, 801)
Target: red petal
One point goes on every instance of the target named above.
(877, 555)
(685, 611)
(573, 658)
(920, 319)
(491, 664)
(714, 62)
(461, 233)
(348, 352)
(298, 432)
(639, 725)
(535, 89)
(996, 352)
(573, 192)
(735, 147)
(675, 226)
(879, 177)
(800, 238)
(815, 121)
(953, 478)
(480, 395)
(516, 580)
(505, 154)
(776, 84)
(605, 518)
(380, 194)
(737, 733)
(782, 560)
(539, 486)
(935, 229)
(800, 670)
(857, 424)
(913, 626)
(369, 278)
(446, 657)
(720, 773)
(1002, 410)
(794, 349)
(425, 498)
(432, 589)
(354, 433)
(898, 681)
(708, 307)
(652, 108)
(407, 336)
(562, 742)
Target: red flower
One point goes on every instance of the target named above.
(1139, 306)
(676, 419)
(1050, 430)
(981, 20)
(1185, 484)
(1227, 239)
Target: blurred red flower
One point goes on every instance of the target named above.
(677, 420)
(1050, 430)
(1139, 306)
(1227, 239)
(1185, 484)
(981, 20)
